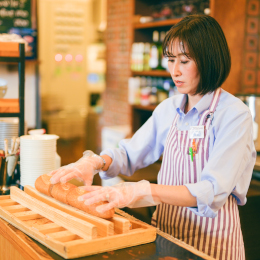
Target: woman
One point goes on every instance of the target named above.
(205, 136)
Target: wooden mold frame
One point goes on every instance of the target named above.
(67, 231)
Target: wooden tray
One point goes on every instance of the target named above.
(70, 232)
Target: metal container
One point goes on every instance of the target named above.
(253, 102)
(7, 168)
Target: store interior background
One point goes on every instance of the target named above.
(85, 102)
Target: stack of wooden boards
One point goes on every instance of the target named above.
(70, 232)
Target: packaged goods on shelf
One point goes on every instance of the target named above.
(6, 49)
(29, 36)
(175, 9)
(140, 56)
(134, 90)
(147, 56)
(149, 90)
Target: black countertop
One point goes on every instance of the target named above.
(160, 249)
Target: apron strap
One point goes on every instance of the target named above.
(175, 119)
(208, 114)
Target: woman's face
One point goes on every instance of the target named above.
(183, 69)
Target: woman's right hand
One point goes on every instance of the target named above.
(83, 170)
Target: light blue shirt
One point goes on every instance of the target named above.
(232, 152)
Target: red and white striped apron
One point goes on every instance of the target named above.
(219, 237)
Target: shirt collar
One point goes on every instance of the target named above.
(201, 106)
(204, 103)
(181, 105)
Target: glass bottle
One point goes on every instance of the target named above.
(164, 60)
(146, 56)
(154, 52)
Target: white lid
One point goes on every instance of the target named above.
(40, 137)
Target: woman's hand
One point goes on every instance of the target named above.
(126, 194)
(83, 170)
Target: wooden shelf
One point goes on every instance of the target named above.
(14, 61)
(146, 108)
(14, 52)
(9, 106)
(10, 114)
(9, 60)
(9, 49)
(152, 73)
(168, 22)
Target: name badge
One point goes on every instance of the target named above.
(196, 132)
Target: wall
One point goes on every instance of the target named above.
(251, 52)
(118, 41)
(231, 16)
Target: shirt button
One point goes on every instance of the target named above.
(187, 123)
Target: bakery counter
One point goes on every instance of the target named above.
(14, 244)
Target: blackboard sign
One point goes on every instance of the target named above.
(14, 13)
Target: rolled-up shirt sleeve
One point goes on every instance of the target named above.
(230, 164)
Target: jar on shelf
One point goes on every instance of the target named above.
(162, 93)
(153, 95)
(145, 96)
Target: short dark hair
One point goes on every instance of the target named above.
(207, 46)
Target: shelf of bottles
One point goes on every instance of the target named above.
(151, 81)
(148, 57)
(147, 92)
(167, 12)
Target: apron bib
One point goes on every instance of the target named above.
(219, 237)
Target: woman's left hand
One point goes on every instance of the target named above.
(126, 194)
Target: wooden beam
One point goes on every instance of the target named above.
(79, 248)
(76, 226)
(4, 197)
(64, 236)
(8, 202)
(122, 225)
(27, 215)
(104, 227)
(49, 228)
(16, 208)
